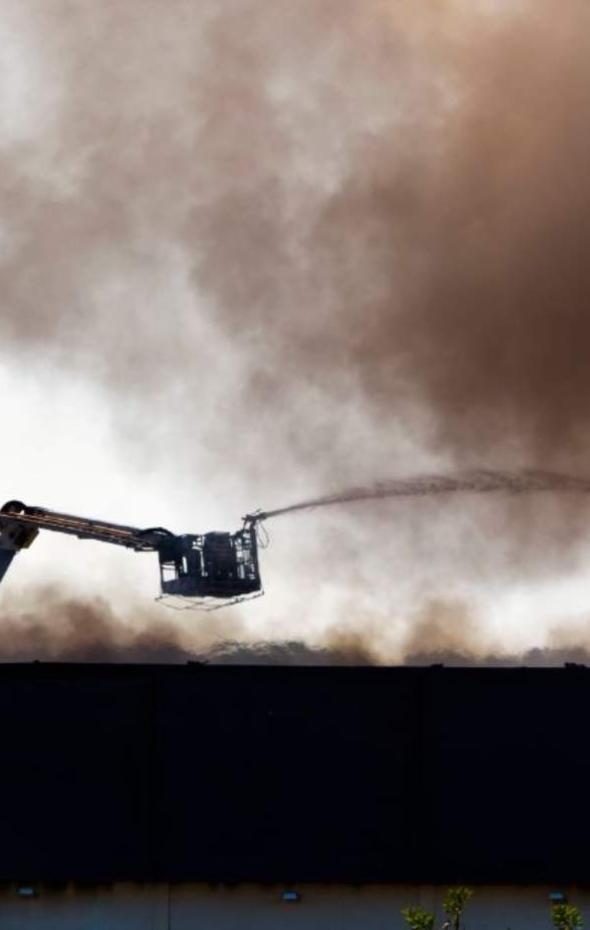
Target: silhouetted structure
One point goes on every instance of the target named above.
(205, 773)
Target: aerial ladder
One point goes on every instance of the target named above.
(207, 569)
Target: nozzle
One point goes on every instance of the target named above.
(251, 519)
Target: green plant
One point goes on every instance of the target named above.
(417, 918)
(456, 899)
(566, 917)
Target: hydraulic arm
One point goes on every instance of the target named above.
(203, 566)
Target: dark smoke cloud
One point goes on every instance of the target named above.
(302, 247)
(446, 266)
(497, 294)
(47, 625)
(451, 634)
(373, 201)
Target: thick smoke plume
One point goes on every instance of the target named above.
(304, 246)
(49, 628)
(364, 204)
(44, 625)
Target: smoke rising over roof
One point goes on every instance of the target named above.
(46, 626)
(340, 240)
(359, 194)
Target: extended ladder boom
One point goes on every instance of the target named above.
(207, 566)
(16, 514)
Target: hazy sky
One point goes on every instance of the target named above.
(254, 251)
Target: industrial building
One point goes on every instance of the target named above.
(201, 796)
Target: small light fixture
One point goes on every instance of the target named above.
(26, 891)
(291, 897)
(557, 897)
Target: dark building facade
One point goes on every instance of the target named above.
(201, 773)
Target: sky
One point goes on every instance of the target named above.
(250, 253)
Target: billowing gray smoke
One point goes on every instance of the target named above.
(374, 206)
(305, 246)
